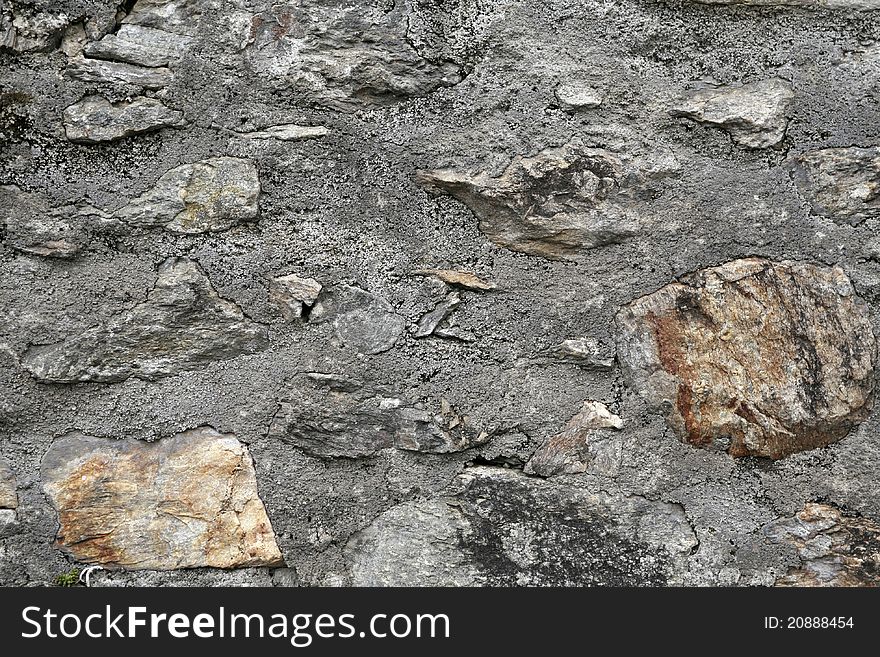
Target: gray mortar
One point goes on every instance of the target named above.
(345, 209)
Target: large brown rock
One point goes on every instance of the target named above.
(835, 550)
(182, 502)
(761, 358)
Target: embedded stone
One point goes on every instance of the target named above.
(361, 320)
(574, 95)
(356, 423)
(183, 325)
(33, 227)
(570, 450)
(429, 322)
(8, 493)
(841, 183)
(554, 204)
(293, 294)
(26, 29)
(756, 357)
(835, 549)
(207, 196)
(95, 119)
(97, 70)
(288, 132)
(589, 353)
(462, 279)
(755, 114)
(497, 527)
(188, 501)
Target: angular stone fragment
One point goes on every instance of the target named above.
(293, 294)
(811, 4)
(8, 494)
(97, 70)
(347, 58)
(841, 183)
(586, 352)
(761, 358)
(183, 325)
(569, 451)
(207, 196)
(362, 320)
(33, 227)
(462, 279)
(554, 204)
(143, 46)
(429, 322)
(187, 501)
(501, 528)
(755, 114)
(288, 132)
(95, 119)
(333, 423)
(835, 550)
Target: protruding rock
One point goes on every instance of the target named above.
(755, 114)
(501, 528)
(33, 227)
(97, 70)
(589, 353)
(573, 95)
(95, 119)
(554, 204)
(841, 183)
(462, 279)
(761, 358)
(349, 59)
(183, 325)
(207, 196)
(835, 549)
(8, 493)
(429, 322)
(331, 423)
(293, 295)
(288, 132)
(362, 320)
(569, 451)
(187, 501)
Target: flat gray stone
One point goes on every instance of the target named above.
(95, 119)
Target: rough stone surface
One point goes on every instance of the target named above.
(95, 119)
(554, 204)
(208, 196)
(502, 528)
(834, 549)
(842, 183)
(761, 358)
(294, 295)
(8, 493)
(812, 4)
(571, 450)
(357, 423)
(754, 114)
(462, 279)
(182, 325)
(187, 501)
(338, 104)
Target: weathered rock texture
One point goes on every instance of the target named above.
(554, 204)
(182, 502)
(8, 493)
(762, 358)
(754, 114)
(207, 196)
(569, 451)
(842, 183)
(383, 243)
(182, 325)
(95, 119)
(502, 528)
(834, 549)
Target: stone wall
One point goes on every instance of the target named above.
(456, 292)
